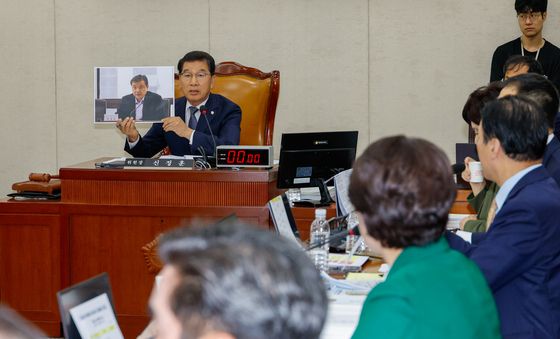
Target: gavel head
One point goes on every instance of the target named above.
(41, 177)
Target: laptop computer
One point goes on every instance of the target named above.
(78, 294)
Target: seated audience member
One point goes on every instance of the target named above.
(539, 89)
(402, 189)
(141, 104)
(519, 254)
(520, 64)
(482, 193)
(186, 132)
(232, 281)
(12, 326)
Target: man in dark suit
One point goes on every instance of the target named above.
(142, 105)
(541, 90)
(519, 254)
(202, 120)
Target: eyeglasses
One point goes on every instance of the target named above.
(199, 76)
(531, 15)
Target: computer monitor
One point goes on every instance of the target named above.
(310, 159)
(76, 295)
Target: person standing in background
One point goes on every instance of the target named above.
(531, 16)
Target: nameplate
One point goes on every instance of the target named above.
(158, 163)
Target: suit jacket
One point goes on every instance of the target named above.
(431, 292)
(520, 257)
(551, 159)
(153, 107)
(224, 118)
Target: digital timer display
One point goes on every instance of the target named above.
(244, 156)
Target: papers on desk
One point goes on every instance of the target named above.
(346, 300)
(341, 183)
(283, 219)
(455, 219)
(345, 263)
(112, 163)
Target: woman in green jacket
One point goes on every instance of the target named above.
(482, 193)
(402, 189)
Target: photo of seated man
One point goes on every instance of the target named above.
(141, 105)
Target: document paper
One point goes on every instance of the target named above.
(95, 319)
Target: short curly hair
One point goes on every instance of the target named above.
(404, 188)
(480, 97)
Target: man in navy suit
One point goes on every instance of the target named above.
(542, 91)
(188, 131)
(520, 253)
(141, 104)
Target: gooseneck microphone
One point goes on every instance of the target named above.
(203, 112)
(141, 103)
(458, 168)
(354, 230)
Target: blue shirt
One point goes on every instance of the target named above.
(509, 184)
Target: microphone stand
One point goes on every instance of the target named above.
(211, 160)
(336, 236)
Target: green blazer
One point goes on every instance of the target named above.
(431, 292)
(481, 204)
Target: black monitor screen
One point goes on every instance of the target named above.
(306, 156)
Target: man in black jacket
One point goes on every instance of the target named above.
(531, 16)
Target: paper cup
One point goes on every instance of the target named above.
(475, 167)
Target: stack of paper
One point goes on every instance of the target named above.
(344, 263)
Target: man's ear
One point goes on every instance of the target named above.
(495, 147)
(543, 16)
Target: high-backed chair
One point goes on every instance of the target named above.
(254, 91)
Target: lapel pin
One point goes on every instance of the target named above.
(211, 112)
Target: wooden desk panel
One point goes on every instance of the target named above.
(30, 273)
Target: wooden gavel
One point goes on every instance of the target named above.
(42, 177)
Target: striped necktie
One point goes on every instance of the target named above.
(192, 120)
(491, 214)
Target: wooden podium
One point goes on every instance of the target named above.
(104, 219)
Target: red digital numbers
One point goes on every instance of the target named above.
(230, 157)
(241, 157)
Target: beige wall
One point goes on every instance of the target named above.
(380, 67)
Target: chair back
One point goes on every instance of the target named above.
(255, 92)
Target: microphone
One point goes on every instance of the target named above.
(141, 103)
(458, 168)
(354, 230)
(203, 112)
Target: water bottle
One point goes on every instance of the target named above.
(320, 233)
(351, 238)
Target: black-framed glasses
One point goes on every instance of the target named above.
(530, 15)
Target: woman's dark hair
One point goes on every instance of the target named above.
(404, 188)
(198, 56)
(477, 100)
